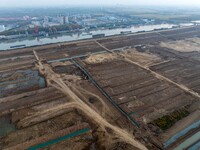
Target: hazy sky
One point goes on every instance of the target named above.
(13, 3)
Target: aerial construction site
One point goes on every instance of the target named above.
(130, 92)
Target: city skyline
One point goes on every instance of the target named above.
(36, 3)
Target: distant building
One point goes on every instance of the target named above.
(2, 28)
(66, 20)
(46, 19)
(26, 17)
(36, 23)
(61, 19)
(34, 18)
(75, 19)
(148, 20)
(2, 36)
(31, 26)
(50, 24)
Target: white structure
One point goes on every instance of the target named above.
(61, 20)
(66, 20)
(75, 18)
(46, 19)
(2, 28)
(36, 23)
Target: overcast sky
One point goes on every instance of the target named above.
(16, 3)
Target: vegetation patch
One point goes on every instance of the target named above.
(169, 120)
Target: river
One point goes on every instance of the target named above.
(72, 37)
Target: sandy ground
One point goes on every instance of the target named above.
(145, 59)
(100, 58)
(187, 45)
(66, 63)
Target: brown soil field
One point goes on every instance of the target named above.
(187, 45)
(132, 91)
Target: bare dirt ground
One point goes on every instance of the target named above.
(78, 103)
(187, 45)
(145, 59)
(145, 94)
(136, 90)
(54, 80)
(80, 142)
(153, 113)
(99, 58)
(43, 128)
(43, 113)
(18, 116)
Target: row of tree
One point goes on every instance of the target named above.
(69, 27)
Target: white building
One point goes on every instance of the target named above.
(2, 28)
(66, 20)
(46, 19)
(36, 23)
(61, 20)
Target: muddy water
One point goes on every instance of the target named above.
(20, 81)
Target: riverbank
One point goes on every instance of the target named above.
(64, 37)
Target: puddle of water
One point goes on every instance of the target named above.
(181, 133)
(22, 80)
(189, 141)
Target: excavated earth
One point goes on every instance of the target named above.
(146, 84)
